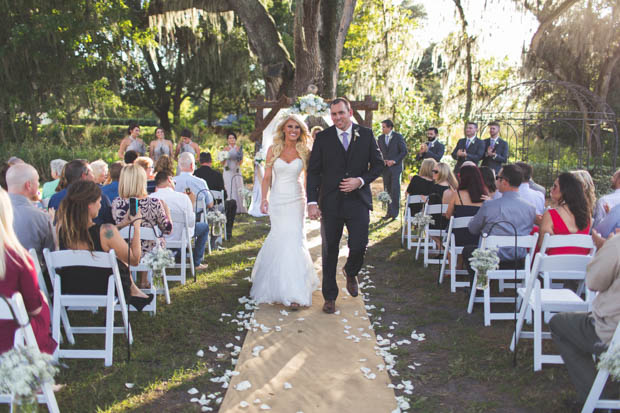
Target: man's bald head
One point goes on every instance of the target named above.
(23, 179)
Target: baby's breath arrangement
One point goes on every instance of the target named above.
(484, 260)
(22, 373)
(610, 361)
(246, 195)
(157, 260)
(420, 221)
(216, 221)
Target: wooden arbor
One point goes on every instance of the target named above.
(368, 105)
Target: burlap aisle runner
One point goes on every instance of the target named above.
(311, 364)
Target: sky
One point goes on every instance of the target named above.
(504, 30)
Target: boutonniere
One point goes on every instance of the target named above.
(356, 134)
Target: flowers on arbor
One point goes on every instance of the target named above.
(23, 372)
(157, 260)
(310, 104)
(610, 361)
(216, 221)
(484, 260)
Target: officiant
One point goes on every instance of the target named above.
(394, 150)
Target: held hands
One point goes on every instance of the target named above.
(350, 184)
(490, 152)
(314, 212)
(461, 153)
(389, 163)
(264, 207)
(423, 148)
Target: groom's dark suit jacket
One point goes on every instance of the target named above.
(329, 164)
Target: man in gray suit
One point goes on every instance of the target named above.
(394, 150)
(511, 208)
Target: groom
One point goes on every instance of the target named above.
(345, 159)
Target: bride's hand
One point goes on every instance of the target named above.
(264, 206)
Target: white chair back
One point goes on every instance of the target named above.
(435, 209)
(569, 240)
(593, 401)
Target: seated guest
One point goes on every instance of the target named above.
(511, 208)
(588, 187)
(130, 156)
(31, 224)
(443, 189)
(49, 188)
(422, 183)
(165, 164)
(571, 216)
(533, 197)
(607, 202)
(147, 163)
(111, 188)
(17, 274)
(74, 171)
(579, 336)
(100, 171)
(186, 180)
(215, 182)
(78, 231)
(488, 177)
(467, 202)
(610, 224)
(182, 203)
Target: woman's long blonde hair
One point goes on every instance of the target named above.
(426, 169)
(8, 239)
(445, 174)
(302, 142)
(132, 182)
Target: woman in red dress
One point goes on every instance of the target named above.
(17, 274)
(572, 215)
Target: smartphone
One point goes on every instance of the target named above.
(133, 206)
(188, 190)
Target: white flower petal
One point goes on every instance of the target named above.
(129, 385)
(193, 390)
(200, 353)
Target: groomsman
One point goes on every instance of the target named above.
(433, 148)
(495, 149)
(394, 150)
(469, 148)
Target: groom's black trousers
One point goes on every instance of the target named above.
(356, 217)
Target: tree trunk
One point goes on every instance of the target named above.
(210, 106)
(266, 43)
(468, 60)
(308, 65)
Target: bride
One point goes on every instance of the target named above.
(283, 271)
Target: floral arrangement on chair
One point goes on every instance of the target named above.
(310, 104)
(484, 260)
(246, 194)
(610, 361)
(157, 260)
(216, 219)
(420, 221)
(384, 198)
(22, 372)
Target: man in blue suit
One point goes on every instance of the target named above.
(469, 148)
(495, 149)
(433, 148)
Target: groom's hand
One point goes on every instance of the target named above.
(313, 211)
(350, 184)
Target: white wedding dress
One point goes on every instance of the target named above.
(283, 271)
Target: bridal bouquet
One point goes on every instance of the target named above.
(246, 195)
(610, 361)
(223, 156)
(216, 219)
(157, 260)
(420, 221)
(484, 260)
(259, 158)
(23, 372)
(310, 104)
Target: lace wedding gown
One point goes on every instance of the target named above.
(283, 271)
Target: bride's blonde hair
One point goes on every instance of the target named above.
(302, 143)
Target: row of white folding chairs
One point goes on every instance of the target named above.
(24, 337)
(407, 236)
(426, 242)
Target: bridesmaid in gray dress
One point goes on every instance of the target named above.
(132, 142)
(233, 181)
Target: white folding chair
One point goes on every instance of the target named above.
(562, 241)
(24, 336)
(181, 220)
(43, 287)
(593, 401)
(147, 234)
(537, 299)
(502, 241)
(221, 197)
(406, 231)
(454, 251)
(426, 242)
(97, 259)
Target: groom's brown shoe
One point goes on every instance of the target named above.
(351, 285)
(329, 307)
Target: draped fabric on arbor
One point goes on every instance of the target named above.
(259, 169)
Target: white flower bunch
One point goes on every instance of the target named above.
(215, 217)
(384, 197)
(259, 157)
(157, 259)
(23, 371)
(610, 361)
(420, 220)
(246, 194)
(484, 260)
(310, 104)
(222, 156)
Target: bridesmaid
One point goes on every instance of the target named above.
(132, 142)
(233, 181)
(160, 146)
